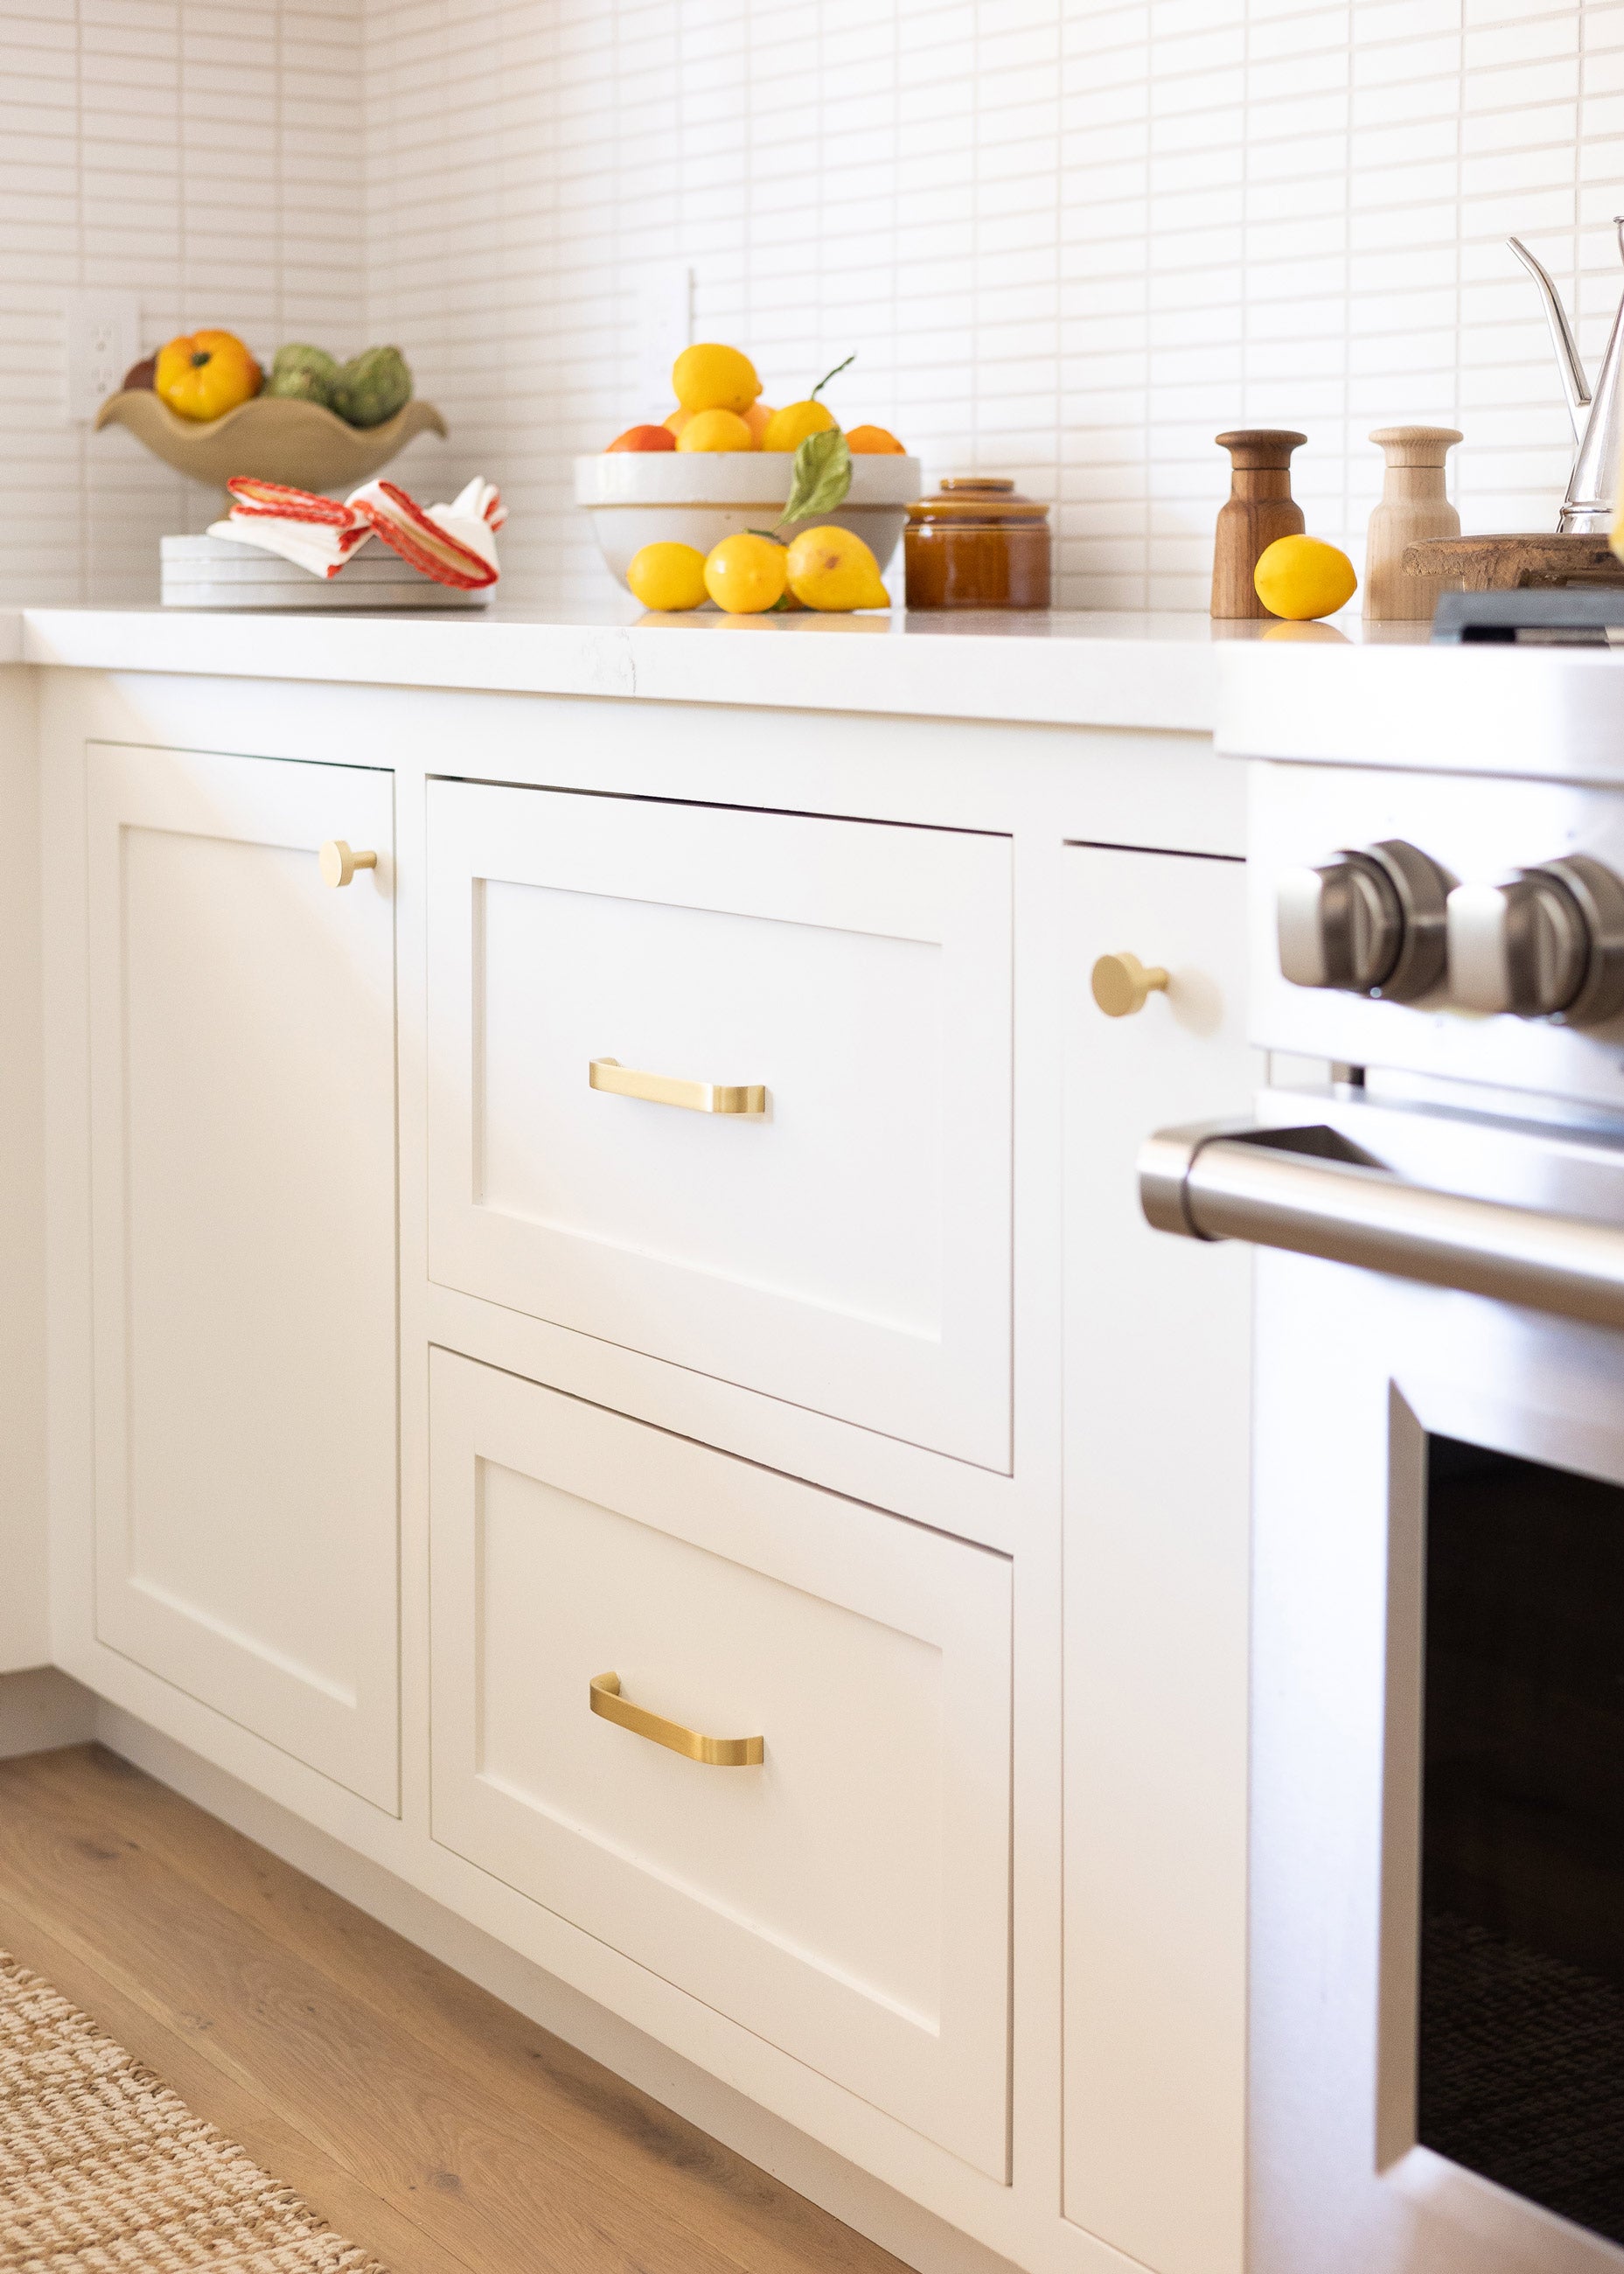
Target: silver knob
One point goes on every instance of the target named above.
(1370, 923)
(1546, 944)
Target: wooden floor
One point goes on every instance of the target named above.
(424, 2119)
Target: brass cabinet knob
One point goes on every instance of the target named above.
(339, 863)
(1122, 984)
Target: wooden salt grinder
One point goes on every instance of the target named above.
(1260, 508)
(1413, 506)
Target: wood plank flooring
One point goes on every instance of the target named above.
(430, 2123)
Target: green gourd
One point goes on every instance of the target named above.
(304, 375)
(373, 386)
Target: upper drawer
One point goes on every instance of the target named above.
(846, 1247)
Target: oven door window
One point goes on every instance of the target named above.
(1520, 2072)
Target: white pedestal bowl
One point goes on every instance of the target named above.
(698, 497)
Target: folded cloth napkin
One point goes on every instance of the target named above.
(452, 544)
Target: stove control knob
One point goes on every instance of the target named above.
(1370, 923)
(1546, 944)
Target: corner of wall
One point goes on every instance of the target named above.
(41, 1709)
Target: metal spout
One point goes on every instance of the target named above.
(1593, 488)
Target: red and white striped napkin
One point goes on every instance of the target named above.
(452, 544)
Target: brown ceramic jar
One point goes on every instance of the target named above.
(977, 544)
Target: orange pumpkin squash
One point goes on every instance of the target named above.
(204, 375)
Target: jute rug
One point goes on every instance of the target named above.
(104, 2171)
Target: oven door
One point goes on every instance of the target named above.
(1437, 2027)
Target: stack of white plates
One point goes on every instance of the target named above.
(216, 572)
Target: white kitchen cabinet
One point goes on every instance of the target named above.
(242, 1068)
(810, 1483)
(1155, 1583)
(845, 1895)
(845, 1246)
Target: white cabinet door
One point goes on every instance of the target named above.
(845, 1893)
(846, 1247)
(1157, 1432)
(243, 1243)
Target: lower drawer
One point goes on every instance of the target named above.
(840, 1889)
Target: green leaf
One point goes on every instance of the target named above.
(822, 477)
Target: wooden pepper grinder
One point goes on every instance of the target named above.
(1260, 508)
(1413, 506)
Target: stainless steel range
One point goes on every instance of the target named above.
(1436, 1192)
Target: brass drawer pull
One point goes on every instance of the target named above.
(667, 1089)
(604, 1696)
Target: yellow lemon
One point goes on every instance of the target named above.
(746, 574)
(787, 429)
(712, 378)
(758, 418)
(1299, 577)
(715, 430)
(669, 576)
(832, 568)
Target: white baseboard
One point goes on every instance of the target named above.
(911, 2233)
(42, 1709)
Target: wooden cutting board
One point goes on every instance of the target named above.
(1515, 563)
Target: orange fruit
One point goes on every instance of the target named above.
(873, 441)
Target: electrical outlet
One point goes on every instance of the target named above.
(664, 328)
(103, 333)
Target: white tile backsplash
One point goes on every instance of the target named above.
(206, 158)
(1069, 240)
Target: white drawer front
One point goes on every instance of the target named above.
(847, 1248)
(847, 1897)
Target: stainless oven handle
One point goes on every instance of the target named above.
(1287, 1188)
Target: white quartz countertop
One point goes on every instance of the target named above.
(1060, 669)
(1333, 693)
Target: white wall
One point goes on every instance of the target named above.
(1070, 240)
(205, 158)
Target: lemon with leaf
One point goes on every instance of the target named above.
(789, 428)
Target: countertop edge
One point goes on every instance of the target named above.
(1544, 713)
(1167, 686)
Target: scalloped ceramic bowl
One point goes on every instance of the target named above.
(272, 438)
(698, 497)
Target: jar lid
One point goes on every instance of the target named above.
(976, 501)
